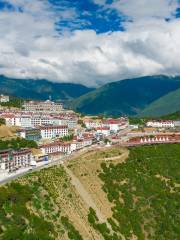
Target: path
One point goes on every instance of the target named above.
(84, 194)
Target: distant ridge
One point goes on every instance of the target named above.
(41, 89)
(127, 97)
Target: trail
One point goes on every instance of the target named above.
(84, 194)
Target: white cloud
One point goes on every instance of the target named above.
(142, 9)
(31, 48)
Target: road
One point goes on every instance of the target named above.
(84, 194)
(38, 168)
(35, 169)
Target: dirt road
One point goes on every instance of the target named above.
(84, 194)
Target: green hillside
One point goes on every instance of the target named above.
(172, 116)
(125, 97)
(169, 103)
(141, 193)
(41, 89)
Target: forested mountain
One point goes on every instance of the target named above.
(166, 104)
(41, 89)
(127, 97)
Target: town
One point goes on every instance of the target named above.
(59, 133)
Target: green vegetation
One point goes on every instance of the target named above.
(67, 138)
(13, 102)
(2, 121)
(102, 228)
(172, 116)
(127, 97)
(17, 143)
(72, 232)
(143, 120)
(145, 193)
(168, 103)
(136, 120)
(16, 220)
(29, 208)
(41, 89)
(80, 122)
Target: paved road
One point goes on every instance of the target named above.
(35, 169)
(38, 168)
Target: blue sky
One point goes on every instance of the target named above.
(89, 41)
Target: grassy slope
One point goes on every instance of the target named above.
(139, 197)
(125, 97)
(167, 104)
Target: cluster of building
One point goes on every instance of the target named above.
(108, 126)
(60, 132)
(47, 123)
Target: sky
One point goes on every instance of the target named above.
(91, 42)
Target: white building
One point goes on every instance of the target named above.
(27, 120)
(70, 122)
(4, 98)
(91, 124)
(103, 130)
(115, 125)
(11, 119)
(43, 106)
(161, 124)
(56, 147)
(49, 132)
(11, 160)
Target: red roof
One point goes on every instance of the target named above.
(102, 128)
(53, 127)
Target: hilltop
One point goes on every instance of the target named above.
(110, 193)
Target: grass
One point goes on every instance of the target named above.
(139, 198)
(145, 194)
(28, 208)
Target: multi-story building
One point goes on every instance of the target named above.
(11, 160)
(4, 98)
(43, 107)
(11, 119)
(115, 124)
(161, 124)
(84, 140)
(30, 133)
(105, 131)
(56, 147)
(92, 124)
(49, 132)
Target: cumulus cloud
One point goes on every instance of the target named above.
(30, 46)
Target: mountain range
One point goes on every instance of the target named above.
(144, 96)
(131, 97)
(41, 89)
